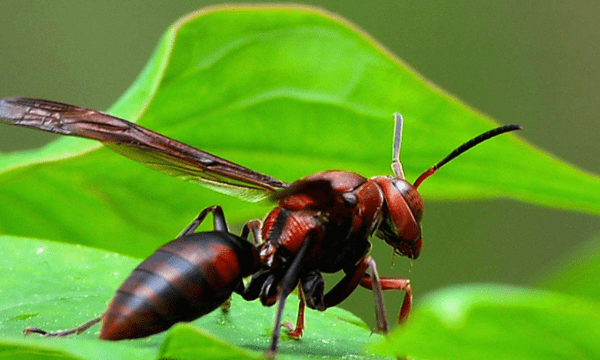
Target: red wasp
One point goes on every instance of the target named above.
(322, 224)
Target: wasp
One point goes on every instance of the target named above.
(321, 224)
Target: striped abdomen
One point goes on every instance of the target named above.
(182, 281)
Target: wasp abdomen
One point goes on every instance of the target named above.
(182, 281)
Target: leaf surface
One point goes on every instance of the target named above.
(499, 322)
(579, 273)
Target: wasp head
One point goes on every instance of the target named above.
(401, 216)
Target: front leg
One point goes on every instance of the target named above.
(389, 283)
(350, 282)
(313, 285)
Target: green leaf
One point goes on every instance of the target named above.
(499, 322)
(579, 274)
(68, 349)
(57, 286)
(287, 91)
(186, 342)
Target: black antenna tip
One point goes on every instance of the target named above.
(510, 127)
(476, 141)
(466, 146)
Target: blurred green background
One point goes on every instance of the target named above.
(535, 63)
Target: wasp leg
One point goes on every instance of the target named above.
(78, 330)
(346, 285)
(393, 284)
(254, 227)
(312, 288)
(295, 332)
(251, 226)
(357, 276)
(219, 222)
(289, 282)
(310, 293)
(375, 285)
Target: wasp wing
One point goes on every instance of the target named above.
(140, 144)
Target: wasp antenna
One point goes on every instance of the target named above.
(396, 164)
(464, 147)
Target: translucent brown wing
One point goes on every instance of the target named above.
(147, 147)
